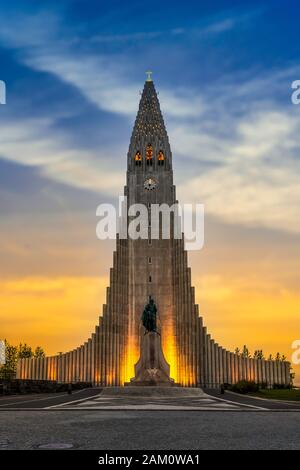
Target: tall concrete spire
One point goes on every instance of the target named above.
(149, 128)
(149, 120)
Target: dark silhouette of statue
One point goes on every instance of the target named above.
(152, 367)
(149, 316)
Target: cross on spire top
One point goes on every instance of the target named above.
(149, 78)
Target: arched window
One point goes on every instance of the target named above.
(160, 157)
(149, 154)
(138, 158)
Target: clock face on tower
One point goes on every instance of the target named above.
(150, 183)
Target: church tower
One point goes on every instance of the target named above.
(156, 267)
(150, 181)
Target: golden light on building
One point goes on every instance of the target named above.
(160, 157)
(132, 354)
(170, 350)
(138, 156)
(149, 154)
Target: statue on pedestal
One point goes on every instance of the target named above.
(149, 316)
(152, 367)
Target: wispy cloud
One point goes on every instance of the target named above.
(34, 143)
(254, 172)
(241, 126)
(102, 82)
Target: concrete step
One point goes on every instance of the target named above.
(152, 391)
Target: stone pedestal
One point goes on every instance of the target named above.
(152, 367)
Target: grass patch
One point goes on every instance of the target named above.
(293, 394)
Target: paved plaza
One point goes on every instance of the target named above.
(105, 419)
(148, 430)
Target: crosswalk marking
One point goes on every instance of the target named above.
(205, 403)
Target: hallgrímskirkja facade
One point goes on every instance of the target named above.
(156, 268)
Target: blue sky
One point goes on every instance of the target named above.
(74, 71)
(223, 71)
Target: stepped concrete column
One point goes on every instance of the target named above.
(263, 372)
(96, 366)
(54, 368)
(60, 368)
(253, 368)
(74, 354)
(267, 372)
(101, 357)
(42, 368)
(213, 363)
(105, 345)
(259, 370)
(275, 372)
(44, 376)
(38, 368)
(85, 361)
(205, 355)
(67, 366)
(224, 360)
(217, 364)
(271, 373)
(29, 369)
(228, 367)
(72, 366)
(49, 368)
(240, 365)
(279, 371)
(249, 371)
(287, 366)
(201, 351)
(45, 368)
(25, 369)
(233, 367)
(221, 367)
(283, 372)
(89, 360)
(34, 369)
(93, 379)
(19, 369)
(77, 371)
(209, 366)
(81, 363)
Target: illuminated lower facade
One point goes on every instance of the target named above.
(157, 268)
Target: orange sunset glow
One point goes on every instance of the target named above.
(243, 300)
(64, 152)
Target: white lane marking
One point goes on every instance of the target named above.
(272, 400)
(205, 402)
(153, 407)
(99, 403)
(70, 402)
(241, 405)
(40, 399)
